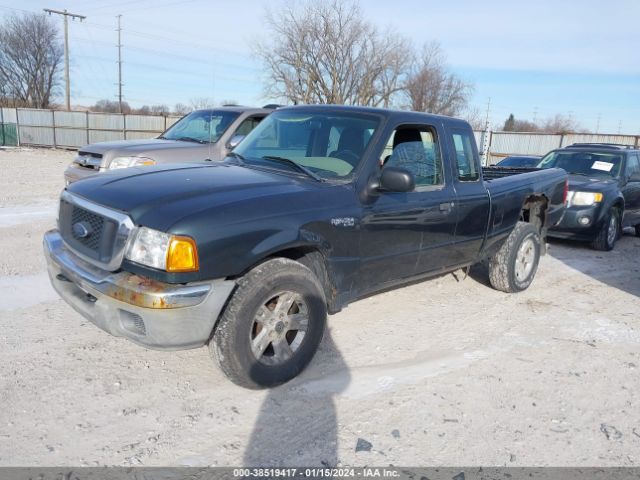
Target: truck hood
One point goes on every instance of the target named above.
(137, 147)
(161, 195)
(586, 184)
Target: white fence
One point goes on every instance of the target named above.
(74, 129)
(504, 144)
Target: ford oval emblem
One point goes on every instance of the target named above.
(81, 230)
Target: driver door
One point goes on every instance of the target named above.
(405, 234)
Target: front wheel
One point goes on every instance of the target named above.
(272, 326)
(513, 267)
(609, 231)
(638, 230)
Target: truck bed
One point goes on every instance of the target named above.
(491, 173)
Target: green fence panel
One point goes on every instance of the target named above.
(8, 134)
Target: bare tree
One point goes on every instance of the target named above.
(512, 124)
(430, 87)
(198, 103)
(30, 59)
(110, 106)
(557, 124)
(475, 118)
(561, 124)
(326, 52)
(160, 110)
(181, 109)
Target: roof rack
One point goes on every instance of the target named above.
(613, 146)
(272, 106)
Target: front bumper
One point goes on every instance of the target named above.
(150, 313)
(570, 226)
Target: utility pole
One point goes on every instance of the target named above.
(66, 16)
(486, 137)
(486, 120)
(119, 64)
(598, 123)
(535, 115)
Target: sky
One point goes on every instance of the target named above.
(532, 59)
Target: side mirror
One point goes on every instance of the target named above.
(235, 140)
(396, 179)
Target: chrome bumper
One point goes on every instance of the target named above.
(153, 314)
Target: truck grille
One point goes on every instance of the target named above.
(89, 160)
(95, 224)
(95, 233)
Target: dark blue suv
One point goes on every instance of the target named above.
(604, 191)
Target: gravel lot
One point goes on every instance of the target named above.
(445, 372)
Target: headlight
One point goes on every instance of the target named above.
(583, 199)
(163, 251)
(126, 162)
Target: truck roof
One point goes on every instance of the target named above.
(236, 108)
(407, 116)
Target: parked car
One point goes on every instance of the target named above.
(604, 191)
(519, 161)
(305, 216)
(200, 135)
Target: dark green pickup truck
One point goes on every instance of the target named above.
(319, 206)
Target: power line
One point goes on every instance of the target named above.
(66, 16)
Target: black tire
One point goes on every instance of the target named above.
(505, 274)
(239, 327)
(638, 230)
(603, 241)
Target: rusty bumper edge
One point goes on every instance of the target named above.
(123, 286)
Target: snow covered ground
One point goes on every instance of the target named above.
(445, 372)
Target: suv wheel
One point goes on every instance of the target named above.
(609, 231)
(272, 326)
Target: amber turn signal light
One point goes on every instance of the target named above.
(182, 255)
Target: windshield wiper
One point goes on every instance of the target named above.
(237, 156)
(189, 139)
(295, 165)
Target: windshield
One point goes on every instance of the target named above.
(519, 162)
(204, 126)
(326, 145)
(592, 164)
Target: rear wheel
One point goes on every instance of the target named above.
(638, 230)
(272, 325)
(514, 266)
(609, 231)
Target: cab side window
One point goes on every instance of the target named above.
(247, 125)
(465, 159)
(417, 150)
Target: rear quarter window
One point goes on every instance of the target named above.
(466, 166)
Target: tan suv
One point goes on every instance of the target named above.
(200, 135)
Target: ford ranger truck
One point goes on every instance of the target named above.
(318, 207)
(198, 136)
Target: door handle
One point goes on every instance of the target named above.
(446, 207)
